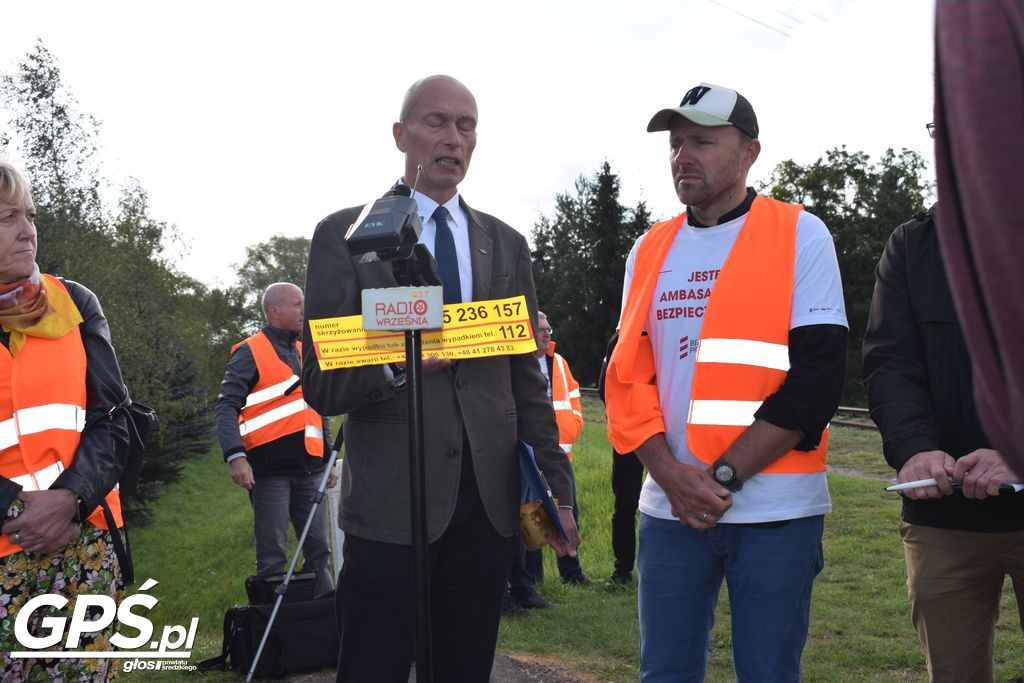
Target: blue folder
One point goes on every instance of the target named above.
(538, 486)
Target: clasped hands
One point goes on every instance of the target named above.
(48, 521)
(979, 474)
(697, 499)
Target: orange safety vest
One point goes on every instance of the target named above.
(42, 414)
(743, 354)
(268, 413)
(565, 399)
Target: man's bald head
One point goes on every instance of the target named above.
(282, 305)
(414, 91)
(437, 135)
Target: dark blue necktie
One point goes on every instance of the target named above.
(447, 259)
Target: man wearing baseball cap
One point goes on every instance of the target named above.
(729, 365)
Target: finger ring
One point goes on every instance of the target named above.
(16, 537)
(704, 517)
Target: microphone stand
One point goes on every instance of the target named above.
(390, 228)
(418, 508)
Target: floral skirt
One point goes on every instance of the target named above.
(88, 565)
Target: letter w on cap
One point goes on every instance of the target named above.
(693, 96)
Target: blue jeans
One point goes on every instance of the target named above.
(275, 500)
(769, 572)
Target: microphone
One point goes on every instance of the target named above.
(390, 227)
(389, 230)
(403, 190)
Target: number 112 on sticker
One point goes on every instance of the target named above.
(513, 331)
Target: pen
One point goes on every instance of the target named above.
(921, 483)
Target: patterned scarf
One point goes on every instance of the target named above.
(36, 307)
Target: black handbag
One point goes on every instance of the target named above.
(262, 588)
(304, 637)
(142, 425)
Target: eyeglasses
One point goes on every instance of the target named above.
(931, 129)
(546, 330)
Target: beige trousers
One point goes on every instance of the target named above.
(955, 580)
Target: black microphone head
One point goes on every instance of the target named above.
(389, 227)
(399, 190)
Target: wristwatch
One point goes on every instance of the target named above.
(725, 474)
(399, 379)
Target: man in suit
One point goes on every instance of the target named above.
(474, 413)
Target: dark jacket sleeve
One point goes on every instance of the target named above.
(333, 290)
(810, 394)
(8, 492)
(328, 437)
(535, 418)
(894, 370)
(240, 376)
(103, 450)
(604, 364)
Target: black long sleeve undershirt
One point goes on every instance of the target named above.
(810, 394)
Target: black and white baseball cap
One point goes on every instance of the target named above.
(710, 105)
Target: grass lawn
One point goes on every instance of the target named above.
(200, 550)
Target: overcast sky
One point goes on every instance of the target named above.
(246, 119)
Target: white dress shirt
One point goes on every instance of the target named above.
(459, 224)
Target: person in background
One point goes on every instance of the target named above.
(962, 536)
(58, 375)
(564, 393)
(627, 483)
(273, 442)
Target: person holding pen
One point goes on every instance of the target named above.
(964, 533)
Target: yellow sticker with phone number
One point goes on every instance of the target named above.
(471, 330)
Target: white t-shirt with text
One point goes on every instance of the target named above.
(691, 267)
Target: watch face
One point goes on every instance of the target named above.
(724, 473)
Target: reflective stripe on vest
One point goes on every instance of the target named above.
(264, 395)
(41, 479)
(40, 419)
(743, 354)
(42, 415)
(269, 414)
(565, 401)
(735, 413)
(246, 427)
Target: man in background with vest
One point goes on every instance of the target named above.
(564, 392)
(959, 543)
(273, 442)
(729, 365)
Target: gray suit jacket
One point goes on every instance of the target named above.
(492, 400)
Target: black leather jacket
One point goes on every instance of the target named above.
(918, 377)
(103, 449)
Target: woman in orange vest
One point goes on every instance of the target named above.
(58, 372)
